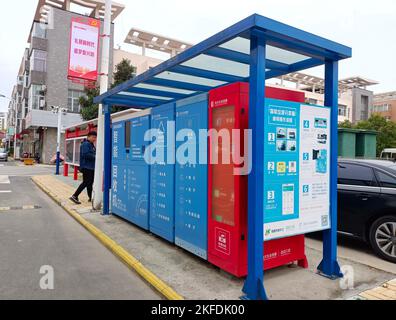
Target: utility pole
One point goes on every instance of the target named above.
(60, 112)
(15, 104)
(104, 83)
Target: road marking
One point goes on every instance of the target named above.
(26, 207)
(5, 191)
(4, 180)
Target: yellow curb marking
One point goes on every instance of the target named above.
(115, 248)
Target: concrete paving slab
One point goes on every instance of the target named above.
(195, 278)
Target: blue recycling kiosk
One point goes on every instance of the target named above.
(162, 178)
(253, 50)
(191, 176)
(130, 171)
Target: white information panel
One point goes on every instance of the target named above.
(297, 169)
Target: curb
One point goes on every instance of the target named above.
(117, 250)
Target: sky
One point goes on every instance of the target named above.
(368, 26)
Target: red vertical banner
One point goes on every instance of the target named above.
(84, 49)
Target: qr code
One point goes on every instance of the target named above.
(325, 221)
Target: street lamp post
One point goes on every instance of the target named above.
(14, 102)
(59, 111)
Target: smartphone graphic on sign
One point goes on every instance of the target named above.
(288, 199)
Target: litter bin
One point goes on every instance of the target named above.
(366, 144)
(347, 143)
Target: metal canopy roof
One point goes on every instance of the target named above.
(225, 58)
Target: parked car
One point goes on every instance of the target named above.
(3, 154)
(389, 154)
(367, 203)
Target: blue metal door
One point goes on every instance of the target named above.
(138, 194)
(162, 214)
(191, 178)
(119, 190)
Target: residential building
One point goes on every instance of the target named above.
(385, 105)
(355, 100)
(3, 121)
(42, 80)
(148, 42)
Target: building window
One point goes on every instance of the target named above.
(26, 107)
(38, 61)
(73, 101)
(342, 111)
(381, 108)
(36, 97)
(364, 108)
(39, 30)
(312, 101)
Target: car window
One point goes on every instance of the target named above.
(356, 175)
(386, 180)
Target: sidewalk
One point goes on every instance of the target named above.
(194, 278)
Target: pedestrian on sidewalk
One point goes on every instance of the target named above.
(87, 167)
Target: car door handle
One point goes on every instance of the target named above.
(364, 197)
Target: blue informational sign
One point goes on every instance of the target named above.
(139, 127)
(191, 190)
(296, 169)
(119, 150)
(162, 183)
(119, 190)
(282, 161)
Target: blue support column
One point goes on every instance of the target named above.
(57, 171)
(107, 160)
(329, 266)
(254, 287)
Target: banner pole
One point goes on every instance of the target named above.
(104, 83)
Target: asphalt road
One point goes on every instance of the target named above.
(47, 236)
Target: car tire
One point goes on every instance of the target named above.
(383, 238)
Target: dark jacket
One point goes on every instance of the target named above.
(87, 155)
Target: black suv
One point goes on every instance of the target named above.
(367, 203)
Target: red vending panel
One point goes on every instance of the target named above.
(228, 193)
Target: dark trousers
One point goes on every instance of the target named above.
(88, 180)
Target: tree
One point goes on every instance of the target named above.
(346, 124)
(89, 111)
(124, 71)
(386, 131)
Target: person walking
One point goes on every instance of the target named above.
(87, 167)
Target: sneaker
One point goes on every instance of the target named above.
(75, 200)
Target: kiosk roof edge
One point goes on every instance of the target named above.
(225, 58)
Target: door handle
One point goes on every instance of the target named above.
(364, 196)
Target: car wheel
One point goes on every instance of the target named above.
(383, 238)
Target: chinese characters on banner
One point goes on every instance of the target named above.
(84, 48)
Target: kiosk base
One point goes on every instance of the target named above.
(277, 253)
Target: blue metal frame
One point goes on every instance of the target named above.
(254, 285)
(107, 160)
(261, 32)
(329, 266)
